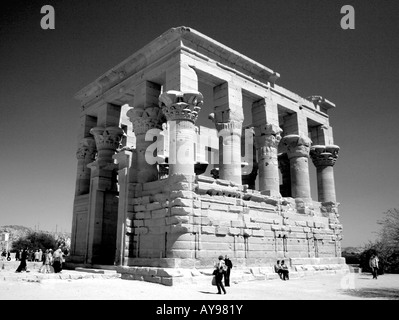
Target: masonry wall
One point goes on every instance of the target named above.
(199, 220)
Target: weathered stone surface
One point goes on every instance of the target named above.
(191, 218)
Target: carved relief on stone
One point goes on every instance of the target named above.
(107, 138)
(324, 155)
(269, 138)
(87, 149)
(145, 119)
(297, 145)
(231, 127)
(177, 105)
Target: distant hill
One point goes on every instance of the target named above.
(352, 250)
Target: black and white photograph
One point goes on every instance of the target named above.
(199, 156)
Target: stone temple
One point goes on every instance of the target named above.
(158, 193)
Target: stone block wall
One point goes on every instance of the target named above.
(198, 220)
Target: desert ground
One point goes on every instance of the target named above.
(351, 286)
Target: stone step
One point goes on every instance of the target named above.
(96, 270)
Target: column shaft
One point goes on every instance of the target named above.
(267, 142)
(181, 111)
(324, 158)
(230, 150)
(298, 152)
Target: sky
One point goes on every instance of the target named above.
(41, 70)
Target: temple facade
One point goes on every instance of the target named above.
(155, 187)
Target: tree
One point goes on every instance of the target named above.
(389, 233)
(34, 241)
(386, 246)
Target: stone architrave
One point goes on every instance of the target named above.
(143, 121)
(86, 154)
(181, 111)
(298, 147)
(267, 145)
(324, 158)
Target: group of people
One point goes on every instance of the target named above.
(52, 261)
(223, 269)
(222, 273)
(282, 270)
(6, 255)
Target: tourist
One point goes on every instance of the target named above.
(374, 265)
(57, 260)
(22, 266)
(220, 268)
(40, 255)
(47, 261)
(284, 271)
(229, 265)
(37, 255)
(17, 255)
(278, 270)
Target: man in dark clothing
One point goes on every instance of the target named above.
(229, 265)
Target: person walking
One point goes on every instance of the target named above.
(47, 261)
(17, 255)
(220, 269)
(229, 265)
(23, 266)
(374, 265)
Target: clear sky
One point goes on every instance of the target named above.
(41, 70)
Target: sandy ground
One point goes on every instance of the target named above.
(351, 286)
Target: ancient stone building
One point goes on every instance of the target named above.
(156, 188)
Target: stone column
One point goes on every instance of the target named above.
(324, 158)
(298, 147)
(124, 161)
(267, 145)
(181, 111)
(229, 134)
(85, 155)
(228, 118)
(284, 166)
(100, 243)
(144, 120)
(249, 172)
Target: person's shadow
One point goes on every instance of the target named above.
(208, 292)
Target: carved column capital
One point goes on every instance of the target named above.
(86, 149)
(177, 105)
(268, 137)
(297, 145)
(231, 127)
(145, 119)
(324, 156)
(107, 138)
